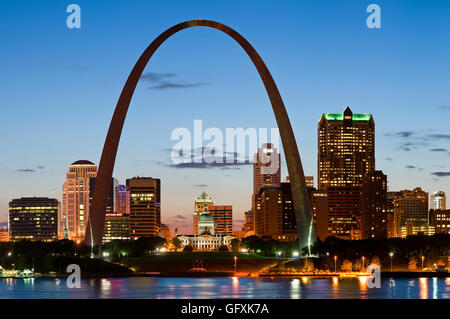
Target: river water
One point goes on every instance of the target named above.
(227, 287)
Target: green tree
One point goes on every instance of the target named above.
(223, 248)
(308, 265)
(376, 260)
(188, 248)
(176, 243)
(235, 244)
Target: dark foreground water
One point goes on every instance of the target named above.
(211, 288)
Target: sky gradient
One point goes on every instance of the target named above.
(59, 87)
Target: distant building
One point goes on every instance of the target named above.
(249, 223)
(117, 226)
(204, 201)
(441, 221)
(309, 181)
(438, 201)
(223, 219)
(390, 225)
(319, 206)
(33, 218)
(4, 234)
(76, 194)
(207, 239)
(411, 212)
(122, 200)
(239, 234)
(145, 206)
(374, 200)
(164, 232)
(274, 213)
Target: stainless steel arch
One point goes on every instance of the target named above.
(300, 195)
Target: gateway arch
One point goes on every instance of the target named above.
(302, 208)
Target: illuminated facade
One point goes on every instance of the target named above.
(410, 212)
(438, 201)
(346, 153)
(346, 150)
(34, 218)
(319, 205)
(274, 213)
(76, 195)
(122, 200)
(202, 203)
(223, 219)
(145, 206)
(441, 221)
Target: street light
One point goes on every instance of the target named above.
(423, 257)
(392, 255)
(335, 265)
(235, 260)
(295, 254)
(363, 258)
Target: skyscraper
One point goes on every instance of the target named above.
(145, 206)
(266, 173)
(374, 200)
(33, 218)
(202, 203)
(346, 149)
(438, 201)
(76, 194)
(346, 153)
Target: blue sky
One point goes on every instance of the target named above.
(59, 87)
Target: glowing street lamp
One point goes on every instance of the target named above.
(295, 254)
(423, 257)
(391, 254)
(363, 258)
(235, 263)
(335, 265)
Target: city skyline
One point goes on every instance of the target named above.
(412, 140)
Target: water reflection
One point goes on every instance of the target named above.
(423, 286)
(227, 287)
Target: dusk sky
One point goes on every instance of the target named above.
(59, 87)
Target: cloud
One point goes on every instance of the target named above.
(26, 170)
(180, 217)
(444, 107)
(40, 167)
(414, 140)
(164, 81)
(388, 158)
(410, 166)
(200, 185)
(441, 174)
(438, 150)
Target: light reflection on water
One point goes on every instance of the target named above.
(224, 287)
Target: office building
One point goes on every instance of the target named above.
(145, 206)
(223, 219)
(441, 221)
(438, 201)
(374, 200)
(410, 212)
(202, 203)
(34, 218)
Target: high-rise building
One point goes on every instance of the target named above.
(319, 206)
(34, 218)
(309, 181)
(390, 225)
(223, 219)
(438, 201)
(374, 200)
(346, 150)
(122, 200)
(274, 213)
(410, 212)
(441, 221)
(76, 194)
(249, 223)
(164, 232)
(346, 153)
(145, 206)
(202, 203)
